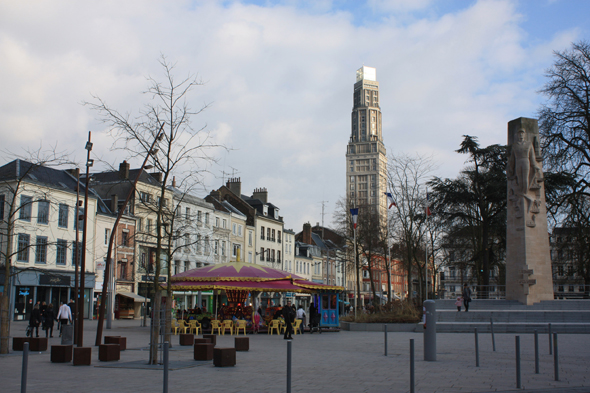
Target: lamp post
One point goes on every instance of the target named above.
(105, 284)
(81, 292)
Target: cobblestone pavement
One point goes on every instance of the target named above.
(330, 362)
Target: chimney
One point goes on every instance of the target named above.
(216, 195)
(114, 203)
(235, 185)
(124, 170)
(174, 181)
(261, 193)
(306, 234)
(157, 176)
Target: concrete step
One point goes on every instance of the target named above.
(532, 316)
(515, 327)
(490, 304)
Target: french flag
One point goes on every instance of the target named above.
(355, 213)
(390, 199)
(427, 209)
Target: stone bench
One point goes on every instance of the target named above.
(187, 339)
(122, 341)
(212, 337)
(61, 353)
(82, 356)
(18, 343)
(242, 343)
(109, 352)
(203, 351)
(224, 357)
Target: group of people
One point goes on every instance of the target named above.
(464, 299)
(43, 315)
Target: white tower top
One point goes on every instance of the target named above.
(366, 73)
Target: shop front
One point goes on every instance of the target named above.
(129, 305)
(51, 287)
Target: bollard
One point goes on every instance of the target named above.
(476, 349)
(385, 333)
(517, 362)
(289, 343)
(555, 358)
(412, 389)
(493, 337)
(166, 346)
(536, 352)
(430, 331)
(550, 345)
(23, 378)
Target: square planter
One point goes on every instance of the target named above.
(242, 343)
(122, 341)
(109, 352)
(224, 357)
(187, 339)
(61, 353)
(203, 351)
(82, 356)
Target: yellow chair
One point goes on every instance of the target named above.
(175, 326)
(182, 326)
(274, 324)
(194, 325)
(297, 325)
(241, 325)
(215, 324)
(227, 324)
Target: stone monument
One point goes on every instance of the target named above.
(528, 261)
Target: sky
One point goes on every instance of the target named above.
(278, 80)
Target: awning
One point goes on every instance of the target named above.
(136, 298)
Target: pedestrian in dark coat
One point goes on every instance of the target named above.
(35, 319)
(289, 316)
(466, 296)
(48, 322)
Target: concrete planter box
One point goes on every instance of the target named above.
(378, 327)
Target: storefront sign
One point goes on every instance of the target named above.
(23, 293)
(46, 279)
(100, 265)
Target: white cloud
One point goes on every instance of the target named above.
(279, 80)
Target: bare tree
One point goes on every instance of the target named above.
(183, 151)
(564, 121)
(407, 176)
(18, 178)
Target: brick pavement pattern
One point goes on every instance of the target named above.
(330, 362)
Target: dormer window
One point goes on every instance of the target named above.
(265, 210)
(276, 214)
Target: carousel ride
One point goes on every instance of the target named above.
(238, 280)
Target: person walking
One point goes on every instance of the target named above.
(48, 322)
(35, 320)
(289, 316)
(64, 315)
(301, 316)
(466, 296)
(459, 303)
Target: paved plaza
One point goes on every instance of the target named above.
(330, 362)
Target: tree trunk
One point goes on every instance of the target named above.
(4, 322)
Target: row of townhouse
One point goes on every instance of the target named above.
(38, 233)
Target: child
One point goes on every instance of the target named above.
(458, 303)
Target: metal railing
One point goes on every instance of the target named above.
(477, 292)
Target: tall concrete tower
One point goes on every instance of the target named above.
(366, 158)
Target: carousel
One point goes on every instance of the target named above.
(242, 283)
